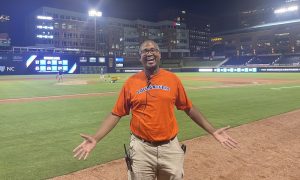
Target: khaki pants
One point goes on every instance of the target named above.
(164, 162)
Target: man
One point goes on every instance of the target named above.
(60, 75)
(101, 73)
(151, 95)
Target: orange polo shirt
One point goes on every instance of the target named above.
(152, 106)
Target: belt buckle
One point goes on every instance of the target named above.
(153, 143)
(159, 143)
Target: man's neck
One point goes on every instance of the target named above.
(151, 72)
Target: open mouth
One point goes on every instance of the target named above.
(150, 59)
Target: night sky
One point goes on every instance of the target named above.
(127, 9)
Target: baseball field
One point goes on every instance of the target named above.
(41, 119)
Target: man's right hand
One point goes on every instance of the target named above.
(83, 150)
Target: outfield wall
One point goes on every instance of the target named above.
(222, 70)
(49, 63)
(255, 69)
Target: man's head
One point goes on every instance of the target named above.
(150, 55)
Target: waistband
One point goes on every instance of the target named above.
(154, 143)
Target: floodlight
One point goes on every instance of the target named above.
(286, 9)
(45, 17)
(93, 12)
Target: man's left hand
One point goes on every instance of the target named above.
(225, 139)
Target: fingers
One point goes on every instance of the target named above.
(221, 130)
(86, 155)
(232, 140)
(230, 144)
(83, 150)
(227, 127)
(81, 153)
(224, 139)
(78, 153)
(87, 137)
(78, 147)
(75, 149)
(224, 129)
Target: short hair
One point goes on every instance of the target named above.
(149, 41)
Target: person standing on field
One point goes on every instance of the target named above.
(60, 75)
(151, 96)
(101, 73)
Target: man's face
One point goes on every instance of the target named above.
(150, 56)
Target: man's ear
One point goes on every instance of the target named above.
(141, 61)
(159, 55)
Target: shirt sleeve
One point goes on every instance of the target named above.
(182, 101)
(122, 106)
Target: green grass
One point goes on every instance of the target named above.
(37, 138)
(48, 86)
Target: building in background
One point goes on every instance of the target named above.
(280, 38)
(68, 30)
(57, 28)
(199, 34)
(269, 13)
(5, 41)
(199, 28)
(272, 30)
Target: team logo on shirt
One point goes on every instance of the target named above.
(150, 87)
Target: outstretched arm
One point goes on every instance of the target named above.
(83, 150)
(219, 134)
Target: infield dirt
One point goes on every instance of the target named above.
(269, 149)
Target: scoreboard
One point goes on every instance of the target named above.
(51, 64)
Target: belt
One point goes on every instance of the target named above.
(154, 143)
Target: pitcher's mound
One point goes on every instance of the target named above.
(73, 82)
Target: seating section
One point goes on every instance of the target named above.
(259, 60)
(204, 63)
(171, 63)
(177, 63)
(263, 60)
(238, 60)
(289, 60)
(132, 62)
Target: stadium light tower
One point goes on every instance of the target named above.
(284, 10)
(94, 13)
